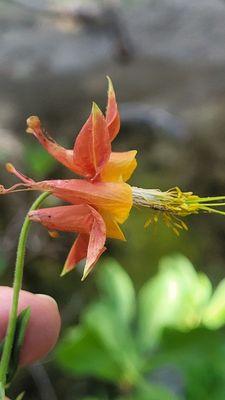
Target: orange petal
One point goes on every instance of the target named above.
(92, 146)
(82, 219)
(77, 253)
(112, 113)
(95, 246)
(65, 218)
(113, 198)
(119, 167)
(61, 154)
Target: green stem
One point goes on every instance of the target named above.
(18, 277)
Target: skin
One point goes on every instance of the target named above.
(44, 325)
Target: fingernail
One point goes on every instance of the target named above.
(48, 298)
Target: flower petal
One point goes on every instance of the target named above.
(76, 218)
(92, 146)
(82, 219)
(113, 230)
(77, 253)
(119, 167)
(114, 198)
(112, 113)
(61, 154)
(95, 246)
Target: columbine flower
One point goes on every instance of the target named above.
(101, 201)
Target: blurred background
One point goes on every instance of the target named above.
(167, 62)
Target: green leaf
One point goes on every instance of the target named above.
(2, 392)
(176, 297)
(118, 290)
(82, 353)
(99, 347)
(214, 315)
(20, 396)
(102, 320)
(198, 356)
(115, 337)
(153, 392)
(103, 345)
(1, 347)
(21, 325)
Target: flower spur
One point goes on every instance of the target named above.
(102, 200)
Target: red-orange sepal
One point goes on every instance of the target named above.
(112, 113)
(92, 146)
(82, 219)
(64, 156)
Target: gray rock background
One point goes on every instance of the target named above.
(166, 58)
(52, 63)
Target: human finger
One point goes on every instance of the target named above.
(43, 327)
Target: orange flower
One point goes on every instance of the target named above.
(102, 200)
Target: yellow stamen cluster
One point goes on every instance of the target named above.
(173, 204)
(170, 220)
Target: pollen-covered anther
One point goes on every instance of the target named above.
(53, 234)
(33, 123)
(10, 168)
(2, 189)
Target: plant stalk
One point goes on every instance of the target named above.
(17, 284)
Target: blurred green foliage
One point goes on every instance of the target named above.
(162, 343)
(38, 161)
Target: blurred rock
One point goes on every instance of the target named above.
(10, 147)
(178, 58)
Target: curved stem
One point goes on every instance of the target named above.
(18, 277)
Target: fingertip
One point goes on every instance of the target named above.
(43, 329)
(46, 298)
